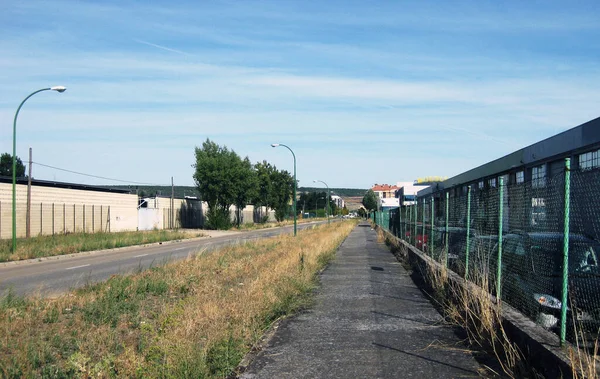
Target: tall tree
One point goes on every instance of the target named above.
(281, 193)
(263, 170)
(370, 200)
(218, 179)
(6, 166)
(244, 181)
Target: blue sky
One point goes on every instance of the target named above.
(363, 92)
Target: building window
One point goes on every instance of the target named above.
(538, 211)
(492, 183)
(538, 176)
(590, 160)
(480, 185)
(520, 177)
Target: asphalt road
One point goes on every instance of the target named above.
(56, 275)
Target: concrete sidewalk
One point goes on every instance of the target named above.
(369, 321)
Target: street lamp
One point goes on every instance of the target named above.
(328, 197)
(294, 155)
(14, 163)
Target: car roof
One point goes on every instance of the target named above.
(550, 236)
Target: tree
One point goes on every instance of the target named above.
(6, 166)
(245, 186)
(362, 212)
(282, 187)
(221, 179)
(264, 187)
(370, 201)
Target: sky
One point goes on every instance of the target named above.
(362, 92)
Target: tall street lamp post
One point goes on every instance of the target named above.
(294, 155)
(14, 163)
(328, 197)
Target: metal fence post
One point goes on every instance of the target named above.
(565, 273)
(446, 236)
(399, 229)
(468, 248)
(416, 221)
(423, 228)
(500, 218)
(432, 247)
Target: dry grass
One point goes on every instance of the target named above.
(267, 225)
(193, 319)
(583, 356)
(471, 307)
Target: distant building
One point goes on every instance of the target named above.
(407, 192)
(338, 201)
(386, 194)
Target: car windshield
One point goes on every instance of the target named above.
(583, 256)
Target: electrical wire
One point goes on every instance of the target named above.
(98, 177)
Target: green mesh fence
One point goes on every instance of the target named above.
(513, 236)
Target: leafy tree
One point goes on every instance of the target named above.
(6, 166)
(264, 187)
(245, 186)
(362, 212)
(345, 211)
(370, 200)
(312, 201)
(282, 187)
(220, 179)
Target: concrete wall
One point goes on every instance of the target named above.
(59, 210)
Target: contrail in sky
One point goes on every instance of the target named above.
(162, 47)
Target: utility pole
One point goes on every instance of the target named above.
(172, 204)
(28, 217)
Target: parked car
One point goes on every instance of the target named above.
(532, 278)
(481, 254)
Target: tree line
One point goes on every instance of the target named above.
(6, 166)
(224, 179)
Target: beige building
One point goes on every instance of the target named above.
(66, 208)
(59, 208)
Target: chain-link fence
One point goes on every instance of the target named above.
(534, 244)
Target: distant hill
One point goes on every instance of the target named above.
(181, 191)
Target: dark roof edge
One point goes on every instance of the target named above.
(75, 186)
(577, 138)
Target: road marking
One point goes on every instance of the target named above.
(181, 248)
(73, 268)
(141, 255)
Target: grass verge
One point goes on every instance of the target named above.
(61, 244)
(191, 319)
